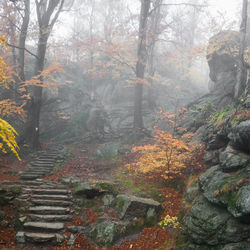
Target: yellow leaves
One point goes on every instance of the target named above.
(7, 136)
(170, 222)
(7, 108)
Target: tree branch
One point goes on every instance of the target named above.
(178, 4)
(3, 16)
(28, 51)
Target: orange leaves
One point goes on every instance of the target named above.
(167, 158)
(9, 108)
(139, 81)
(46, 78)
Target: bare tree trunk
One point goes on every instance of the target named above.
(22, 39)
(152, 36)
(239, 87)
(45, 10)
(141, 64)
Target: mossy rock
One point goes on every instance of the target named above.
(211, 225)
(105, 233)
(94, 189)
(107, 151)
(129, 206)
(231, 159)
(16, 190)
(231, 190)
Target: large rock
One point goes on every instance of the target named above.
(94, 189)
(222, 57)
(129, 206)
(229, 190)
(240, 136)
(232, 159)
(105, 233)
(240, 204)
(213, 225)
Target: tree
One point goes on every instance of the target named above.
(170, 155)
(47, 14)
(153, 33)
(140, 65)
(7, 132)
(22, 39)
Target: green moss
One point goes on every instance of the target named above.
(16, 190)
(108, 187)
(232, 201)
(119, 203)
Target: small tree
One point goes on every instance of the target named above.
(168, 156)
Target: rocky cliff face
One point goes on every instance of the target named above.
(219, 217)
(223, 61)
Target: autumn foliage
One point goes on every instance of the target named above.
(7, 132)
(171, 153)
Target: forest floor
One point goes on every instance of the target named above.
(87, 168)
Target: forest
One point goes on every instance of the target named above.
(125, 124)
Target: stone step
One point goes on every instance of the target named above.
(49, 169)
(43, 226)
(42, 165)
(52, 203)
(43, 162)
(29, 176)
(39, 169)
(48, 156)
(45, 159)
(34, 172)
(52, 187)
(33, 183)
(41, 173)
(43, 237)
(49, 210)
(51, 191)
(50, 218)
(54, 197)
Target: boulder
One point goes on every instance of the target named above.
(212, 157)
(212, 225)
(231, 159)
(105, 233)
(228, 190)
(240, 136)
(94, 189)
(129, 206)
(107, 150)
(239, 206)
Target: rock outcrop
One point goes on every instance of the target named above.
(219, 217)
(223, 60)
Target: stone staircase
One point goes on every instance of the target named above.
(49, 204)
(42, 166)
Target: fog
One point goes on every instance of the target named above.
(124, 124)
